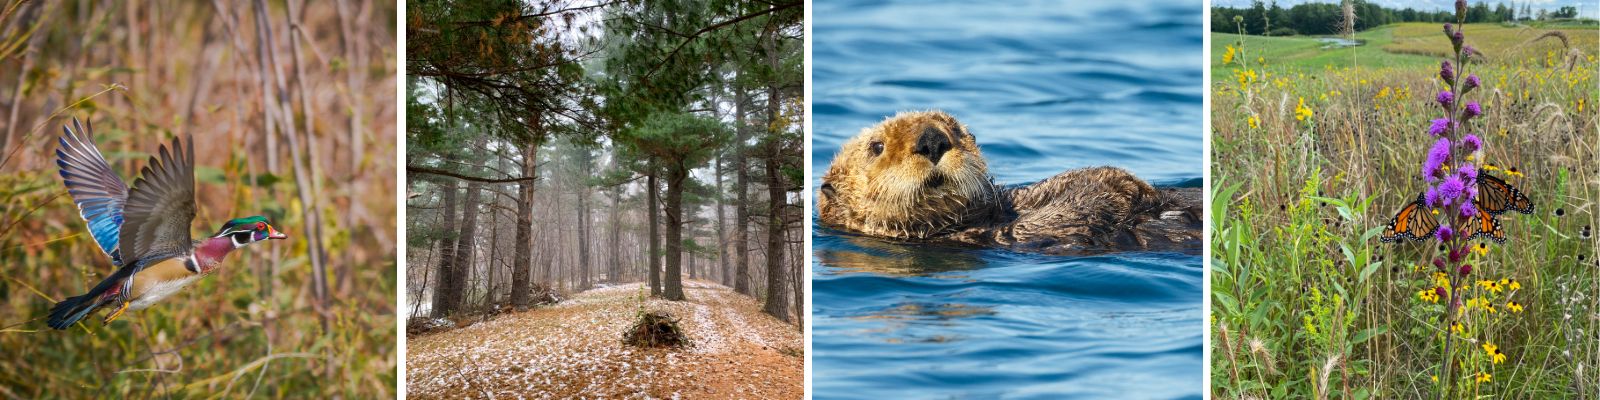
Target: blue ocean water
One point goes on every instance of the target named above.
(1045, 87)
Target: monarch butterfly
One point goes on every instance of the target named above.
(1412, 222)
(1484, 224)
(1496, 196)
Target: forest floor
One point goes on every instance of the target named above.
(574, 349)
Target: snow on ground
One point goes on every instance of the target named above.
(574, 349)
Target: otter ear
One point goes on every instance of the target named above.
(827, 190)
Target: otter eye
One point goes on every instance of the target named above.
(877, 148)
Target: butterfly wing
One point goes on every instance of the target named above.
(1496, 196)
(1484, 225)
(1412, 222)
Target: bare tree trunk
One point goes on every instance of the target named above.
(520, 287)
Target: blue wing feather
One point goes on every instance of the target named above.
(99, 193)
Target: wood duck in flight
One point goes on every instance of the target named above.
(152, 220)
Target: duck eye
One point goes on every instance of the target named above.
(877, 148)
(261, 225)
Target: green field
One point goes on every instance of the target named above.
(1409, 45)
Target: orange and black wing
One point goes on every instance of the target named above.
(1496, 196)
(1413, 222)
(1485, 225)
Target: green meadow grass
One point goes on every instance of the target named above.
(1314, 155)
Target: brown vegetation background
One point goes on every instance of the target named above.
(292, 110)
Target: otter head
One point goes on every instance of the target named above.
(913, 176)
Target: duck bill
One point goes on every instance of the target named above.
(273, 233)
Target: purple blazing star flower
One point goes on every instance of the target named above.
(1456, 39)
(1445, 98)
(1471, 143)
(1469, 173)
(1472, 82)
(1440, 127)
(1473, 110)
(1451, 189)
(1445, 233)
(1447, 29)
(1447, 72)
(1466, 269)
(1436, 158)
(1467, 210)
(1430, 198)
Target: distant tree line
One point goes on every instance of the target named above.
(1325, 18)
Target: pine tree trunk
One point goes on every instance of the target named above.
(722, 235)
(673, 285)
(614, 270)
(741, 214)
(466, 244)
(655, 240)
(776, 197)
(447, 253)
(584, 270)
(521, 288)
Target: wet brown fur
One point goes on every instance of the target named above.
(904, 195)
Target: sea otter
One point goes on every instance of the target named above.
(919, 176)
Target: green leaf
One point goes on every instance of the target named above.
(1368, 333)
(267, 180)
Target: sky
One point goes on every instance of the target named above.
(1586, 8)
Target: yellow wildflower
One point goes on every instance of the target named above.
(1514, 285)
(1484, 377)
(1227, 57)
(1483, 249)
(1457, 328)
(1428, 296)
(1513, 306)
(1301, 112)
(1255, 123)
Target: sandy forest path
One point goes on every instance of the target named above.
(574, 349)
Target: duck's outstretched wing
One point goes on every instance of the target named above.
(99, 192)
(161, 205)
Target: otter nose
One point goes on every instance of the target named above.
(932, 144)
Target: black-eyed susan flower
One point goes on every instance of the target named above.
(1457, 328)
(1428, 296)
(1514, 285)
(1484, 377)
(1514, 306)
